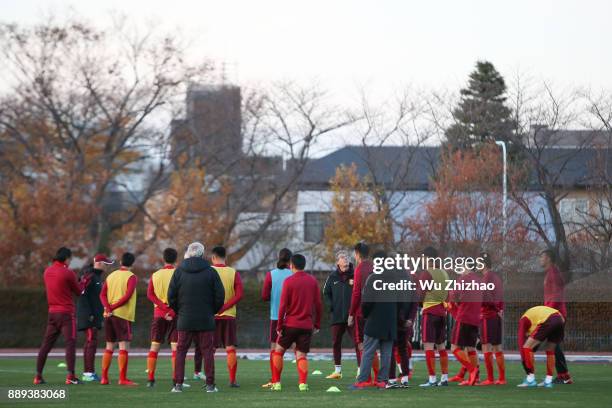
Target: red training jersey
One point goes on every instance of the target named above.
(61, 286)
(492, 300)
(362, 271)
(300, 302)
(554, 288)
(467, 303)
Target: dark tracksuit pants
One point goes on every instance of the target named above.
(64, 323)
(205, 340)
(338, 331)
(89, 350)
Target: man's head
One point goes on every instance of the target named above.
(547, 258)
(361, 251)
(170, 256)
(63, 255)
(298, 262)
(195, 250)
(342, 260)
(430, 252)
(284, 258)
(127, 259)
(218, 255)
(100, 261)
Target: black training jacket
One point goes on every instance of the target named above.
(337, 292)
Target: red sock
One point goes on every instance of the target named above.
(501, 365)
(409, 350)
(528, 360)
(123, 364)
(376, 366)
(173, 362)
(430, 358)
(396, 354)
(232, 365)
(152, 364)
(550, 362)
(443, 361)
(488, 358)
(460, 355)
(302, 368)
(277, 366)
(271, 364)
(358, 355)
(473, 356)
(107, 357)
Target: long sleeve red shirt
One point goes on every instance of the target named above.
(266, 290)
(61, 285)
(363, 270)
(300, 303)
(492, 300)
(131, 286)
(554, 288)
(467, 303)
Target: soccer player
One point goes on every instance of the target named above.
(90, 314)
(118, 297)
(492, 323)
(362, 271)
(60, 285)
(338, 290)
(554, 297)
(271, 292)
(539, 324)
(225, 319)
(163, 326)
(299, 315)
(433, 323)
(465, 307)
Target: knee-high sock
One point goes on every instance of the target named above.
(461, 356)
(232, 365)
(488, 359)
(376, 366)
(527, 357)
(152, 364)
(501, 365)
(396, 354)
(550, 362)
(271, 364)
(358, 354)
(443, 361)
(122, 360)
(302, 368)
(473, 356)
(277, 366)
(430, 358)
(107, 357)
(174, 362)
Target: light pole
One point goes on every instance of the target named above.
(505, 196)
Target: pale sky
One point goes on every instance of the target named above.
(375, 44)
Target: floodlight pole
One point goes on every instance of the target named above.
(505, 194)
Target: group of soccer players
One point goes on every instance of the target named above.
(296, 309)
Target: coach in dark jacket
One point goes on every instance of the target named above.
(196, 294)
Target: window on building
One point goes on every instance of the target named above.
(314, 226)
(573, 209)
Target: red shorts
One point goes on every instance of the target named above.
(551, 330)
(491, 331)
(359, 325)
(301, 338)
(433, 328)
(163, 330)
(464, 335)
(225, 332)
(117, 329)
(273, 333)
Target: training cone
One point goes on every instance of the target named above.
(61, 365)
(293, 361)
(317, 372)
(333, 389)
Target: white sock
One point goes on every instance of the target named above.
(444, 377)
(548, 379)
(392, 380)
(405, 379)
(357, 371)
(399, 368)
(432, 378)
(338, 369)
(87, 373)
(410, 364)
(530, 377)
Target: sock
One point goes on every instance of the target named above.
(461, 372)
(232, 365)
(271, 364)
(444, 377)
(358, 355)
(173, 362)
(528, 360)
(277, 366)
(531, 377)
(473, 356)
(550, 363)
(405, 379)
(107, 357)
(376, 366)
(338, 369)
(432, 378)
(151, 364)
(430, 358)
(488, 358)
(123, 364)
(501, 365)
(396, 354)
(302, 368)
(461, 356)
(443, 361)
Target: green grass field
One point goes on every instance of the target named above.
(592, 389)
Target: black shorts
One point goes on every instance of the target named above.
(464, 335)
(551, 330)
(117, 329)
(225, 332)
(433, 328)
(301, 338)
(163, 330)
(491, 331)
